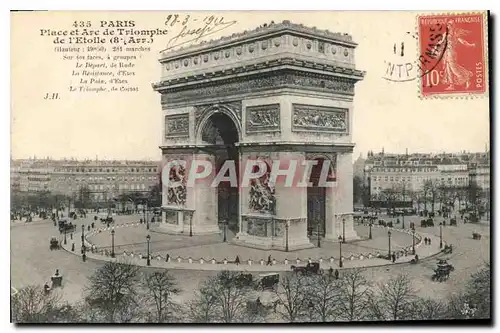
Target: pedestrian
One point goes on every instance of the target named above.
(73, 247)
(269, 262)
(429, 241)
(336, 274)
(330, 272)
(393, 258)
(71, 235)
(237, 260)
(167, 258)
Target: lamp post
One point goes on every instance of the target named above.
(112, 243)
(65, 232)
(441, 235)
(191, 226)
(413, 235)
(319, 239)
(83, 237)
(343, 230)
(389, 236)
(148, 262)
(287, 225)
(340, 255)
(370, 235)
(403, 218)
(225, 230)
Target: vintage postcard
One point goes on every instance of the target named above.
(250, 167)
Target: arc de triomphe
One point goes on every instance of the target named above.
(279, 92)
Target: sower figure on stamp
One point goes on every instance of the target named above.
(454, 74)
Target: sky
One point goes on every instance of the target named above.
(388, 115)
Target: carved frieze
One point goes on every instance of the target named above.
(322, 83)
(262, 118)
(177, 125)
(177, 186)
(319, 118)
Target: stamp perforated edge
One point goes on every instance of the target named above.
(485, 57)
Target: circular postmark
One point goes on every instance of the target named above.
(414, 55)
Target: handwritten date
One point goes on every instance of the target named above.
(193, 29)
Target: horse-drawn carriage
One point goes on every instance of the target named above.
(65, 226)
(310, 268)
(54, 244)
(442, 272)
(448, 249)
(476, 236)
(427, 223)
(269, 281)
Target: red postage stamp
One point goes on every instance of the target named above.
(453, 54)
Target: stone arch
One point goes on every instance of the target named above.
(209, 112)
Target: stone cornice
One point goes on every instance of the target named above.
(284, 63)
(264, 31)
(311, 147)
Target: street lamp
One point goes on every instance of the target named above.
(343, 230)
(191, 226)
(370, 235)
(83, 237)
(389, 235)
(404, 201)
(225, 231)
(287, 225)
(413, 238)
(340, 256)
(112, 243)
(319, 239)
(441, 235)
(65, 232)
(148, 262)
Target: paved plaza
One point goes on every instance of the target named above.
(33, 263)
(132, 239)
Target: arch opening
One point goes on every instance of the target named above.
(221, 132)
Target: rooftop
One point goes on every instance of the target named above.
(262, 30)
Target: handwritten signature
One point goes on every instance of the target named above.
(209, 25)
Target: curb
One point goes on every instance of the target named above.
(213, 264)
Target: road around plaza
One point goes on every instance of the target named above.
(32, 263)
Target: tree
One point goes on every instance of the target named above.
(84, 199)
(430, 193)
(353, 299)
(358, 189)
(112, 291)
(159, 288)
(202, 308)
(292, 296)
(32, 305)
(390, 195)
(426, 309)
(478, 292)
(392, 300)
(154, 195)
(228, 298)
(324, 295)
